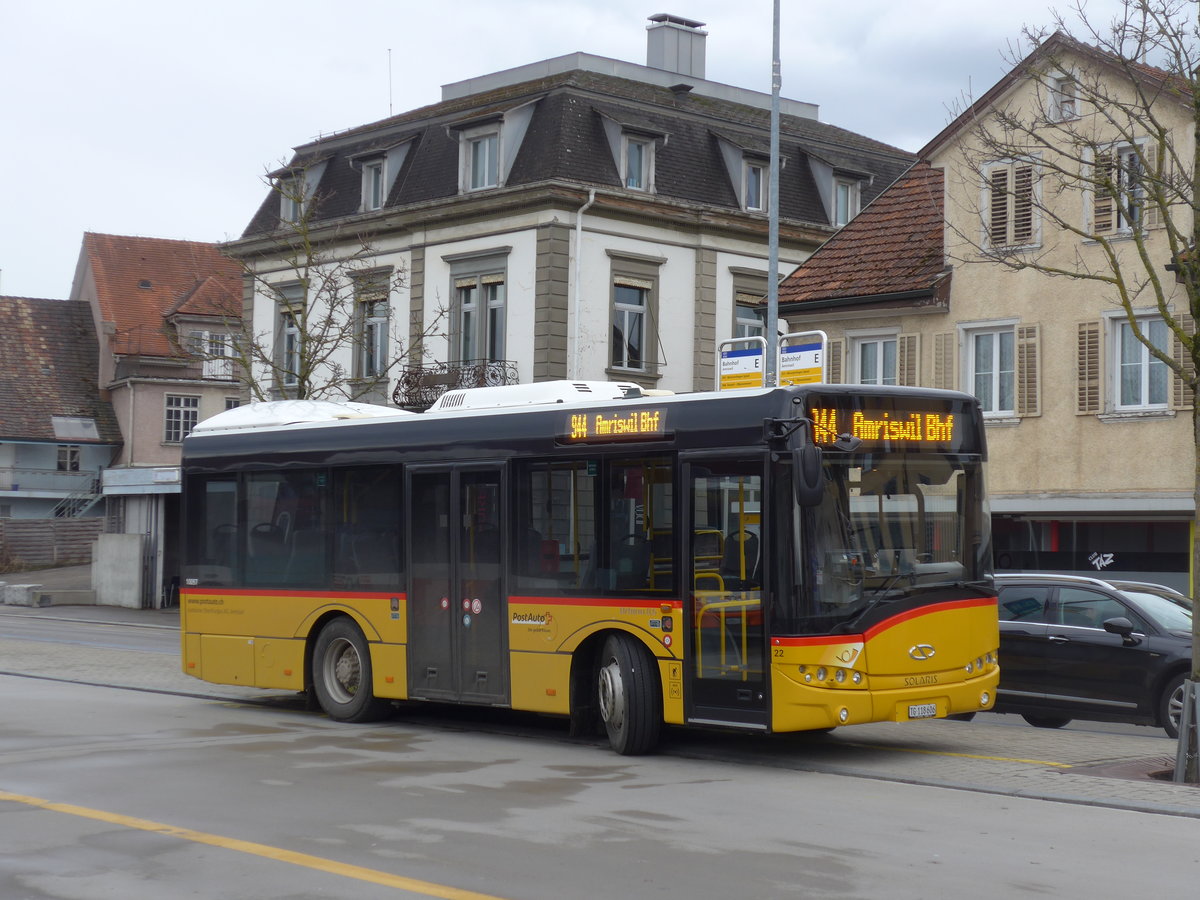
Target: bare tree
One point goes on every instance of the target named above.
(333, 314)
(1102, 162)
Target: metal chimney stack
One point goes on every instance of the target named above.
(675, 44)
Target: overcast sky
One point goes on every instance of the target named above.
(159, 119)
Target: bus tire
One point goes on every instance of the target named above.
(341, 674)
(628, 696)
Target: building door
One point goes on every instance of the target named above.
(726, 631)
(457, 605)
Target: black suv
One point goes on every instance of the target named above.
(1082, 648)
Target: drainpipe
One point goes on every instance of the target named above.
(578, 265)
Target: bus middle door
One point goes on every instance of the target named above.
(457, 625)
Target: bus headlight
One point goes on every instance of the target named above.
(843, 715)
(985, 698)
(856, 677)
(839, 676)
(821, 673)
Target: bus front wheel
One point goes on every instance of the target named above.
(341, 674)
(628, 696)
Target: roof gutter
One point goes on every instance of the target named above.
(835, 302)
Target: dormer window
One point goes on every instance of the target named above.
(481, 159)
(845, 201)
(755, 185)
(637, 162)
(291, 199)
(373, 185)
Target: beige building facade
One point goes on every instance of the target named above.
(1090, 435)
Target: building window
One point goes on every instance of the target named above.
(748, 318)
(630, 302)
(288, 350)
(215, 350)
(636, 162)
(845, 201)
(1009, 204)
(479, 301)
(232, 403)
(68, 458)
(372, 310)
(181, 416)
(291, 199)
(373, 185)
(1142, 379)
(991, 364)
(875, 359)
(1119, 192)
(1063, 100)
(482, 161)
(755, 186)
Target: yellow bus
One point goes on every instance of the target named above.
(774, 560)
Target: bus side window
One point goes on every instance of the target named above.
(285, 514)
(211, 557)
(366, 526)
(555, 520)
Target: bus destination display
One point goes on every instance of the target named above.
(616, 425)
(877, 427)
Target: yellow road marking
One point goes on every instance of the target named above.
(1029, 762)
(359, 873)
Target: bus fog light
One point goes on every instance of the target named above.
(808, 676)
(843, 715)
(985, 698)
(821, 673)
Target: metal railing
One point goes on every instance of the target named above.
(419, 387)
(15, 478)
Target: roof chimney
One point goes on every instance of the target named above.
(675, 44)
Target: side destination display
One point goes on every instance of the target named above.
(615, 425)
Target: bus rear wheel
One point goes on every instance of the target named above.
(628, 696)
(341, 674)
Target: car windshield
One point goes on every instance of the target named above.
(1172, 612)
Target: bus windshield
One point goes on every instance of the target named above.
(889, 527)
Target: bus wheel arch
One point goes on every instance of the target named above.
(628, 693)
(340, 672)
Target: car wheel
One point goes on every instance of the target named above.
(1170, 705)
(1046, 721)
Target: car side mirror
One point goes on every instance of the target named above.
(1122, 626)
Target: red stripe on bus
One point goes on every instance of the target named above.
(879, 628)
(617, 602)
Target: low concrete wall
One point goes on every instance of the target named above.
(117, 570)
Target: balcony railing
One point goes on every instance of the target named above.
(48, 480)
(420, 386)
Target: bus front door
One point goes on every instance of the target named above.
(456, 625)
(726, 633)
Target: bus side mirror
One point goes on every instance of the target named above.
(807, 475)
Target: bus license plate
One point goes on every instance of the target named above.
(922, 710)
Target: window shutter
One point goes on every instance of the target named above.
(1157, 182)
(1088, 390)
(1102, 203)
(944, 347)
(998, 218)
(1022, 205)
(834, 354)
(908, 359)
(1028, 386)
(1182, 394)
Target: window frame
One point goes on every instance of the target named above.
(292, 199)
(1116, 157)
(879, 339)
(181, 413)
(997, 331)
(645, 145)
(632, 270)
(1147, 365)
(754, 195)
(68, 457)
(487, 137)
(1018, 205)
(374, 183)
(372, 292)
(853, 196)
(1063, 104)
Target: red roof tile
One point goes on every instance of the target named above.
(141, 280)
(893, 246)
